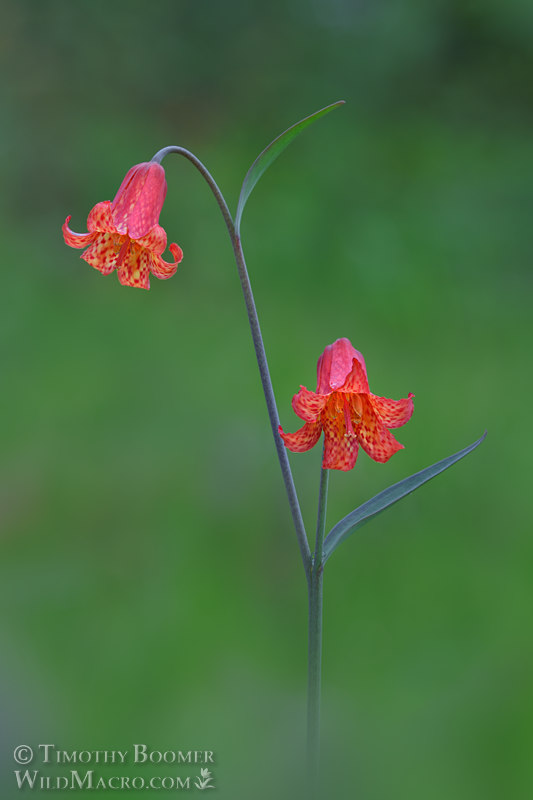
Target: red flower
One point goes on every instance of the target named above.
(346, 410)
(125, 235)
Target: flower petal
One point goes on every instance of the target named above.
(356, 381)
(138, 202)
(340, 449)
(304, 439)
(162, 269)
(134, 270)
(102, 254)
(393, 413)
(335, 364)
(73, 239)
(374, 437)
(307, 404)
(127, 195)
(100, 218)
(155, 240)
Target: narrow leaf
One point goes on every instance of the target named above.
(387, 498)
(270, 153)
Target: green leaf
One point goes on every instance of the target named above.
(270, 153)
(387, 498)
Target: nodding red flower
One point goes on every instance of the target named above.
(125, 235)
(346, 410)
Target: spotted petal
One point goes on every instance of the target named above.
(374, 437)
(304, 439)
(162, 269)
(134, 270)
(155, 240)
(73, 239)
(340, 449)
(356, 381)
(100, 218)
(102, 253)
(307, 404)
(393, 413)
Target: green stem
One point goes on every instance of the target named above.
(315, 591)
(259, 350)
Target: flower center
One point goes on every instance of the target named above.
(352, 409)
(346, 409)
(350, 433)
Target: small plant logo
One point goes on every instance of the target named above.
(203, 781)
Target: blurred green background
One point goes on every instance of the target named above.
(150, 579)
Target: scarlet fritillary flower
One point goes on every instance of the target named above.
(346, 410)
(125, 235)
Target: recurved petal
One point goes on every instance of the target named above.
(100, 218)
(304, 439)
(162, 269)
(134, 270)
(374, 437)
(393, 413)
(102, 253)
(307, 404)
(340, 450)
(73, 239)
(155, 240)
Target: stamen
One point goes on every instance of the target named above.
(348, 418)
(123, 252)
(357, 405)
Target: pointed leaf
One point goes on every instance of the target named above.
(387, 498)
(270, 153)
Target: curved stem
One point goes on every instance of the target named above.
(219, 197)
(259, 350)
(315, 591)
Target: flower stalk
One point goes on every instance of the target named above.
(259, 347)
(315, 592)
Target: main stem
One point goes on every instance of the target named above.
(259, 351)
(315, 590)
